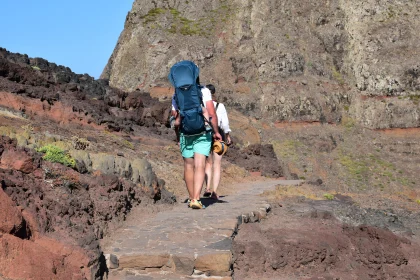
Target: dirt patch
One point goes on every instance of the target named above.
(402, 132)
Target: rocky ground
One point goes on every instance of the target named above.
(309, 239)
(356, 215)
(354, 218)
(117, 153)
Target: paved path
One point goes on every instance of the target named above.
(187, 244)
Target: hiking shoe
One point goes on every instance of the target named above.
(188, 201)
(207, 194)
(196, 204)
(214, 196)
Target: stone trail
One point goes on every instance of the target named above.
(182, 243)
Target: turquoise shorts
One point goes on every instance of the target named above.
(200, 144)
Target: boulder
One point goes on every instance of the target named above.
(10, 216)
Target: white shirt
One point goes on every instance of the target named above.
(222, 117)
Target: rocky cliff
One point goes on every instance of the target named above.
(282, 60)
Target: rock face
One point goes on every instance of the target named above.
(51, 216)
(282, 60)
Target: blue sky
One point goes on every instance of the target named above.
(80, 34)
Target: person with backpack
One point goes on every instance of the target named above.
(195, 140)
(214, 161)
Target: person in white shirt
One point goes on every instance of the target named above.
(214, 160)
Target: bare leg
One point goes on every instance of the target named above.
(177, 134)
(217, 168)
(199, 165)
(189, 176)
(208, 171)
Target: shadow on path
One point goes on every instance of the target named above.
(207, 201)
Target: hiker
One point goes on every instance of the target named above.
(214, 160)
(195, 140)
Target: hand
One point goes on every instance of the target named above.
(174, 113)
(217, 136)
(228, 139)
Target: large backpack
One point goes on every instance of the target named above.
(189, 99)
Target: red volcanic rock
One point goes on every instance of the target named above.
(10, 216)
(133, 100)
(58, 112)
(43, 259)
(51, 218)
(256, 158)
(32, 227)
(38, 257)
(17, 160)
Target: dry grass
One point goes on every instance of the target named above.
(305, 190)
(364, 164)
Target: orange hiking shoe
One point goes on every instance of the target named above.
(196, 204)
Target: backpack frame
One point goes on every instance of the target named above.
(188, 97)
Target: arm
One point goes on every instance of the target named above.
(208, 103)
(174, 111)
(177, 116)
(214, 122)
(228, 139)
(224, 121)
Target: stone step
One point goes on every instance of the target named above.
(188, 243)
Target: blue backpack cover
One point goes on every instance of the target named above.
(183, 76)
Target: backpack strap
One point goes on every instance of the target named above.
(201, 95)
(176, 101)
(217, 105)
